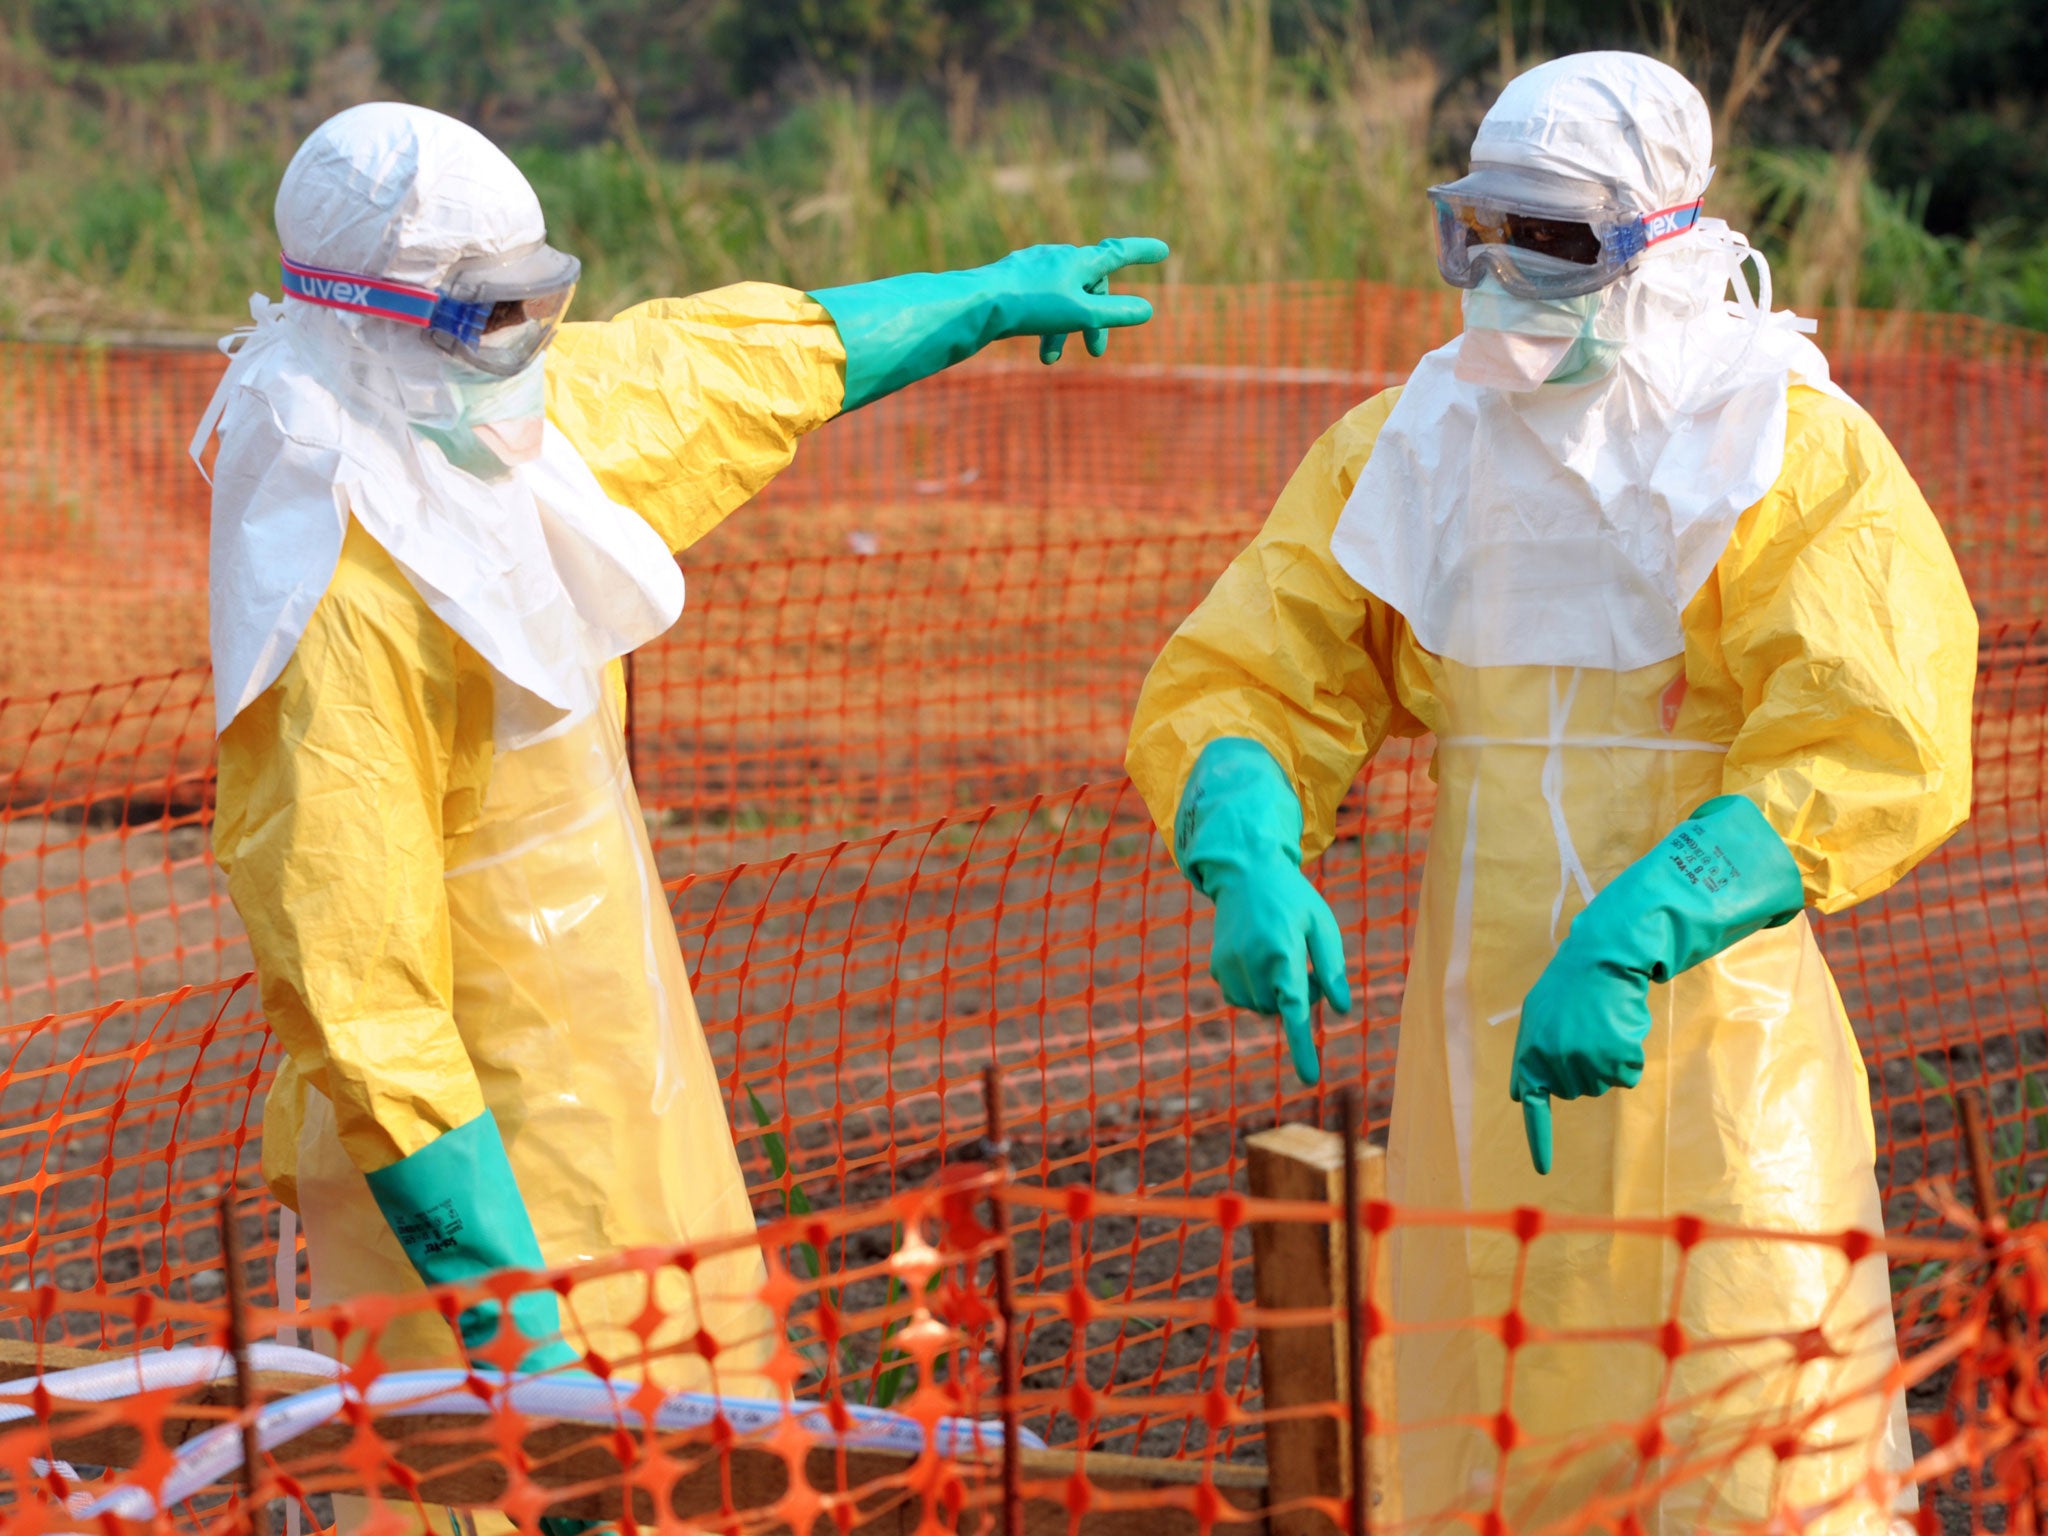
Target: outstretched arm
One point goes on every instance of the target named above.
(898, 330)
(685, 408)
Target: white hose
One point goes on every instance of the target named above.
(157, 1369)
(576, 1398)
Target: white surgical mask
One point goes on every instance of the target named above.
(493, 422)
(1518, 344)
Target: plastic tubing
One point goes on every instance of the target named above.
(570, 1396)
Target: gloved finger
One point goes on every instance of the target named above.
(1536, 1126)
(1050, 347)
(1095, 337)
(1106, 256)
(1326, 954)
(1111, 310)
(1299, 1027)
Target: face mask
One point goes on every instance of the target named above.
(1518, 344)
(495, 423)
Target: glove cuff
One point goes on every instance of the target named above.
(897, 330)
(455, 1209)
(1238, 812)
(1719, 876)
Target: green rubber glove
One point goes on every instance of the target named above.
(1238, 837)
(898, 330)
(1719, 876)
(455, 1209)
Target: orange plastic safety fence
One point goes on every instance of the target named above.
(1201, 414)
(858, 1384)
(107, 883)
(119, 1128)
(813, 697)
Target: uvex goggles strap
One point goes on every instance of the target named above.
(1631, 240)
(387, 300)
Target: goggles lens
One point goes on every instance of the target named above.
(495, 316)
(501, 335)
(1567, 239)
(1540, 253)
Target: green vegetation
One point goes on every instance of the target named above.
(1887, 152)
(2014, 1144)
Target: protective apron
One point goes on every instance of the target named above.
(574, 1005)
(1552, 781)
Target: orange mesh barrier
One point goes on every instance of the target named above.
(119, 1128)
(813, 697)
(896, 1349)
(107, 883)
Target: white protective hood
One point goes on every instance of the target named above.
(543, 574)
(1569, 525)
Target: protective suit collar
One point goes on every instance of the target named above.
(541, 572)
(1569, 525)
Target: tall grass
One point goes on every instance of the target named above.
(117, 217)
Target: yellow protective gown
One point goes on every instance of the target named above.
(1827, 674)
(441, 927)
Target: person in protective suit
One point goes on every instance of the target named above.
(440, 518)
(1696, 657)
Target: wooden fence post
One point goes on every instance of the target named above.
(1299, 1265)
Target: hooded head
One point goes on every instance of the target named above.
(413, 199)
(1636, 135)
(402, 385)
(402, 193)
(1569, 525)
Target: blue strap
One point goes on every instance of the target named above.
(360, 295)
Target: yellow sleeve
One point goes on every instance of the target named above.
(328, 825)
(1847, 629)
(1286, 650)
(685, 408)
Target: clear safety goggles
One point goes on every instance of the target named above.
(494, 313)
(1544, 237)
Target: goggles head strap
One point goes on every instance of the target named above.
(387, 300)
(1631, 240)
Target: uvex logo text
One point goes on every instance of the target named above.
(1672, 221)
(336, 290)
